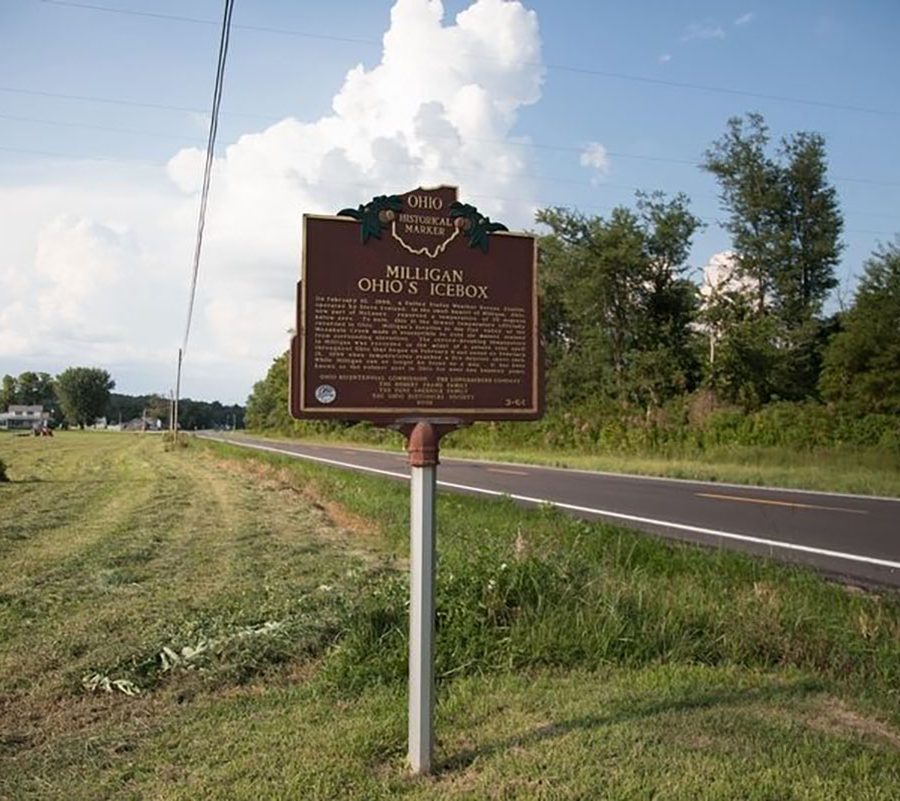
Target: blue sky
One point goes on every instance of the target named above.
(98, 199)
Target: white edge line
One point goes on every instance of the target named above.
(638, 476)
(726, 535)
(306, 456)
(696, 481)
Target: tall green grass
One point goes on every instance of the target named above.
(520, 589)
(686, 426)
(805, 445)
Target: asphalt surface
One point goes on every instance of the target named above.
(853, 537)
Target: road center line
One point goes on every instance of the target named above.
(725, 535)
(508, 472)
(742, 499)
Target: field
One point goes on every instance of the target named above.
(199, 622)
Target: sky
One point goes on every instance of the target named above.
(104, 114)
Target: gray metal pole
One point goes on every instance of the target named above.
(422, 443)
(177, 396)
(421, 618)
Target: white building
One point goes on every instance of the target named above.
(20, 416)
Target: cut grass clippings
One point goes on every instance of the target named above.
(209, 623)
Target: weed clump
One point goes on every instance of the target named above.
(3, 476)
(567, 594)
(175, 441)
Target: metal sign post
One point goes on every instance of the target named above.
(417, 312)
(423, 459)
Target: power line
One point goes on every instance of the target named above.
(27, 151)
(544, 203)
(408, 162)
(119, 101)
(107, 128)
(204, 197)
(621, 76)
(201, 21)
(207, 169)
(577, 70)
(274, 118)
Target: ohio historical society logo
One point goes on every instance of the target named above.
(325, 393)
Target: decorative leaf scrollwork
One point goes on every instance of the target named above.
(475, 224)
(374, 215)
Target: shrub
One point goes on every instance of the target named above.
(3, 476)
(172, 442)
(569, 594)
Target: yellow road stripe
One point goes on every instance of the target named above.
(781, 503)
(508, 472)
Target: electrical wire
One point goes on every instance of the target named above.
(544, 203)
(92, 127)
(120, 101)
(429, 137)
(207, 169)
(577, 70)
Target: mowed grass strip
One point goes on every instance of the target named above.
(258, 605)
(175, 552)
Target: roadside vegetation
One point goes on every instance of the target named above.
(204, 622)
(747, 373)
(788, 445)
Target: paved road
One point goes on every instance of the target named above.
(851, 536)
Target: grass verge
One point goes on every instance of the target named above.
(254, 607)
(852, 469)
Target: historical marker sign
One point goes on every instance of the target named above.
(416, 306)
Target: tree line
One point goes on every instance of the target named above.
(624, 323)
(630, 334)
(79, 396)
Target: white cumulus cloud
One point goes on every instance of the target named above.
(596, 157)
(111, 248)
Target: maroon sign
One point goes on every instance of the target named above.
(416, 306)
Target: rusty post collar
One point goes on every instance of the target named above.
(423, 445)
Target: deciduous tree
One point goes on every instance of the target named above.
(83, 393)
(862, 363)
(785, 225)
(618, 308)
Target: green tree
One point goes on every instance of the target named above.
(29, 388)
(617, 307)
(862, 363)
(785, 225)
(83, 393)
(810, 228)
(36, 388)
(267, 406)
(750, 193)
(9, 392)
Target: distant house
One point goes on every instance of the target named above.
(22, 417)
(142, 424)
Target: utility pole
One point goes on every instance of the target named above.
(177, 394)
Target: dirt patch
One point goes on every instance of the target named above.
(32, 723)
(282, 479)
(833, 716)
(341, 517)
